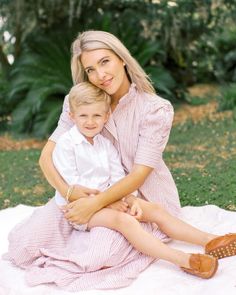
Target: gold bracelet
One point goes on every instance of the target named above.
(69, 192)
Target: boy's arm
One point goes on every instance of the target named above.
(64, 161)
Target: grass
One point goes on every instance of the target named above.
(201, 157)
(21, 180)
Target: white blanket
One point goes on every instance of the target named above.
(160, 278)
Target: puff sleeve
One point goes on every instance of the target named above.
(154, 133)
(64, 123)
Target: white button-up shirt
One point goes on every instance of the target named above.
(95, 166)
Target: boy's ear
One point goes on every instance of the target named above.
(107, 116)
(71, 116)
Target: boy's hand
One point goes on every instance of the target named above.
(119, 206)
(80, 191)
(136, 210)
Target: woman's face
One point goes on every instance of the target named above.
(106, 71)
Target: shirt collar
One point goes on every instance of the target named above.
(110, 125)
(129, 95)
(77, 137)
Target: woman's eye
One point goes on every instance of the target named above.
(89, 71)
(105, 61)
(82, 116)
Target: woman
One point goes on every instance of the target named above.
(139, 128)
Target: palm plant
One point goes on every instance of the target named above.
(39, 81)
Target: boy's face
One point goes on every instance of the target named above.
(90, 118)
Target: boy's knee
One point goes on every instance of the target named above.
(122, 219)
(156, 207)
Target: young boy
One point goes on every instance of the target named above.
(84, 157)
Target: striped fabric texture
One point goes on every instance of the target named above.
(52, 251)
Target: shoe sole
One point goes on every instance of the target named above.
(204, 275)
(225, 251)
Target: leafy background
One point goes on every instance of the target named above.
(180, 44)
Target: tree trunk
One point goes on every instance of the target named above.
(4, 62)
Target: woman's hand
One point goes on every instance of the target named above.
(81, 210)
(80, 191)
(119, 206)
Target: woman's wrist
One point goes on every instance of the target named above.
(75, 193)
(100, 201)
(69, 193)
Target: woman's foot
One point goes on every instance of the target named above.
(222, 246)
(202, 265)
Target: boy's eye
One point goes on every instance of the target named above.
(82, 115)
(98, 115)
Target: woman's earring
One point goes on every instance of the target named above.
(124, 64)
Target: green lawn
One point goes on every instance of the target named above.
(202, 159)
(21, 180)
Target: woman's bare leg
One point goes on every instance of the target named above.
(141, 240)
(174, 227)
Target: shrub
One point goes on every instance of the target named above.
(227, 98)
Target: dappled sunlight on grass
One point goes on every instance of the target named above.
(202, 160)
(21, 180)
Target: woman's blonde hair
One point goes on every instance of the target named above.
(91, 40)
(86, 93)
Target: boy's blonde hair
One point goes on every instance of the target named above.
(86, 93)
(92, 40)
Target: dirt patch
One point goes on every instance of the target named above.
(197, 113)
(204, 90)
(187, 165)
(200, 112)
(7, 143)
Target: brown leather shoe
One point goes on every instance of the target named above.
(223, 246)
(202, 265)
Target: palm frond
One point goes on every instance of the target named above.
(162, 79)
(40, 76)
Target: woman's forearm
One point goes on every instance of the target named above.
(54, 178)
(125, 186)
(49, 170)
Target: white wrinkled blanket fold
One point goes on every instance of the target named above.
(159, 278)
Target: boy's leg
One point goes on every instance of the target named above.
(174, 227)
(141, 240)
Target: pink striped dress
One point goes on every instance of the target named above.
(48, 247)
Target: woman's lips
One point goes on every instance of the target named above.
(107, 83)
